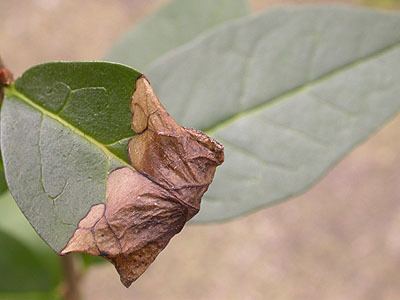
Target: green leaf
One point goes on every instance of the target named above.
(3, 183)
(21, 269)
(173, 25)
(61, 126)
(30, 296)
(27, 265)
(288, 93)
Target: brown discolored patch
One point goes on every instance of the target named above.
(148, 204)
(6, 78)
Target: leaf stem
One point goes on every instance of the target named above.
(72, 276)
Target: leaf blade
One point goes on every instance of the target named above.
(297, 45)
(173, 25)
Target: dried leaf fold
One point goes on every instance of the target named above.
(148, 204)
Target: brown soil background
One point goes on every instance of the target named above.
(340, 240)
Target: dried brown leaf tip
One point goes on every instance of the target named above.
(148, 204)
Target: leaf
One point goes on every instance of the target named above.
(60, 125)
(147, 206)
(31, 296)
(288, 93)
(27, 265)
(21, 269)
(173, 25)
(3, 183)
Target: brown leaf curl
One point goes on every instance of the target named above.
(148, 204)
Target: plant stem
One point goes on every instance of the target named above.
(71, 278)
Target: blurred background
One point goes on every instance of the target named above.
(340, 240)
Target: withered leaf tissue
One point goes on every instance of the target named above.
(148, 204)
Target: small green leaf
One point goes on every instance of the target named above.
(21, 269)
(288, 93)
(61, 126)
(54, 295)
(27, 265)
(173, 25)
(3, 183)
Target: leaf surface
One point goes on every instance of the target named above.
(288, 92)
(173, 25)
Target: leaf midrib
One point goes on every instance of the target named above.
(276, 99)
(12, 91)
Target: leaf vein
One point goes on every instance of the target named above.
(33, 104)
(296, 132)
(274, 100)
(266, 163)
